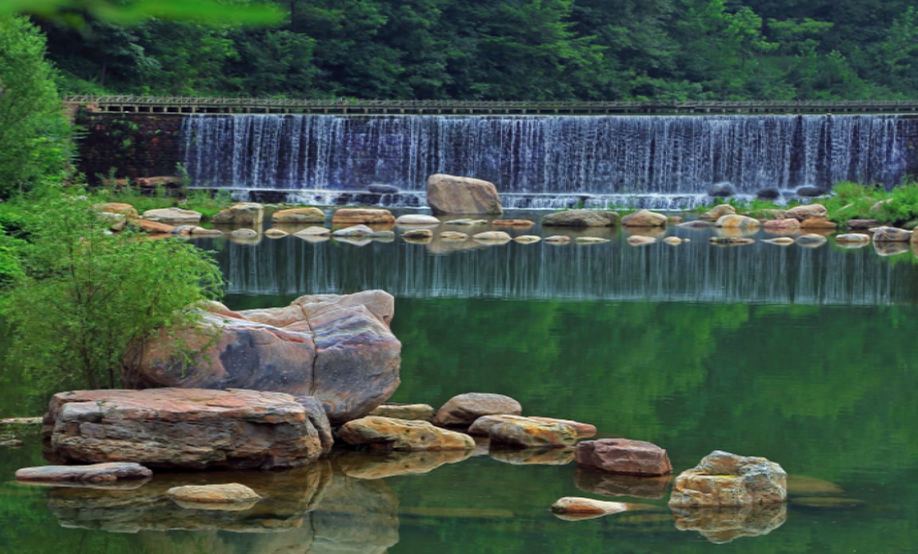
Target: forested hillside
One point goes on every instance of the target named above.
(512, 49)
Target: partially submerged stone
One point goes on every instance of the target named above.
(737, 222)
(581, 218)
(731, 241)
(298, 216)
(811, 240)
(419, 412)
(644, 218)
(558, 239)
(780, 241)
(639, 240)
(527, 239)
(187, 428)
(591, 240)
(453, 236)
(206, 496)
(696, 224)
(802, 485)
(244, 233)
(173, 216)
(466, 222)
(493, 236)
(890, 234)
(313, 232)
(95, 473)
(417, 234)
(202, 232)
(450, 194)
(724, 480)
(250, 214)
(399, 434)
(464, 409)
(717, 212)
(275, 233)
(417, 219)
(673, 241)
(853, 239)
(587, 506)
(367, 216)
(512, 223)
(623, 456)
(788, 225)
(529, 433)
(354, 231)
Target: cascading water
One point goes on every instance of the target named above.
(545, 161)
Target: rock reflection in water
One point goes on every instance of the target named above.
(314, 509)
(608, 484)
(723, 525)
(535, 456)
(379, 465)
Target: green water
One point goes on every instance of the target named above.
(807, 357)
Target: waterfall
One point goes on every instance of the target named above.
(546, 161)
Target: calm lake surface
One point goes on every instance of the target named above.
(806, 356)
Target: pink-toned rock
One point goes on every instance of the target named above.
(623, 456)
(863, 224)
(817, 223)
(788, 225)
(464, 409)
(338, 349)
(182, 428)
(449, 194)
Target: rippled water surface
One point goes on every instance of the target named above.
(806, 356)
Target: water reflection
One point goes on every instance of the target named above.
(607, 484)
(723, 525)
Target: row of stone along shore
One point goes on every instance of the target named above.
(448, 195)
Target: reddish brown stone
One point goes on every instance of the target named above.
(624, 456)
(153, 227)
(353, 216)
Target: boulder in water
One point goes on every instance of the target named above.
(817, 223)
(717, 212)
(722, 190)
(587, 506)
(780, 241)
(386, 433)
(530, 433)
(314, 232)
(891, 234)
(724, 480)
(639, 240)
(801, 213)
(417, 219)
(590, 240)
(493, 236)
(250, 214)
(464, 409)
(88, 474)
(417, 234)
(512, 223)
(737, 222)
(789, 225)
(297, 216)
(731, 241)
(558, 239)
(449, 194)
(244, 233)
(863, 224)
(673, 241)
(173, 216)
(203, 496)
(275, 233)
(581, 218)
(696, 224)
(527, 239)
(367, 216)
(850, 240)
(336, 348)
(354, 231)
(623, 456)
(182, 428)
(811, 240)
(377, 188)
(453, 236)
(644, 218)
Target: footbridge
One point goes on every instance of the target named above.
(195, 105)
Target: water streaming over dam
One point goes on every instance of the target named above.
(545, 161)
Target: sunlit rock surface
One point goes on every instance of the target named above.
(722, 479)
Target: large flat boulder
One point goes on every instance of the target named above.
(89, 474)
(182, 428)
(173, 216)
(299, 216)
(367, 216)
(338, 349)
(247, 214)
(449, 194)
(386, 433)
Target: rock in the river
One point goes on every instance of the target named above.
(417, 219)
(95, 473)
(582, 430)
(718, 212)
(587, 506)
(644, 218)
(863, 224)
(249, 214)
(558, 239)
(336, 348)
(803, 485)
(366, 216)
(590, 240)
(581, 218)
(527, 239)
(275, 233)
(298, 216)
(453, 236)
(789, 225)
(722, 190)
(853, 238)
(466, 222)
(493, 236)
(891, 234)
(464, 409)
(811, 241)
(417, 234)
(187, 428)
(230, 493)
(723, 479)
(768, 194)
(731, 241)
(737, 222)
(483, 425)
(378, 188)
(354, 231)
(529, 433)
(623, 456)
(723, 525)
(449, 194)
(173, 216)
(639, 240)
(512, 223)
(801, 213)
(386, 433)
(314, 232)
(810, 192)
(203, 232)
(244, 233)
(419, 412)
(780, 241)
(817, 223)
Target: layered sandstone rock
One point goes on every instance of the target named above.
(529, 433)
(419, 412)
(482, 425)
(385, 433)
(366, 216)
(464, 409)
(200, 496)
(644, 218)
(802, 213)
(727, 480)
(449, 194)
(182, 428)
(581, 218)
(89, 474)
(890, 234)
(624, 456)
(338, 349)
(296, 216)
